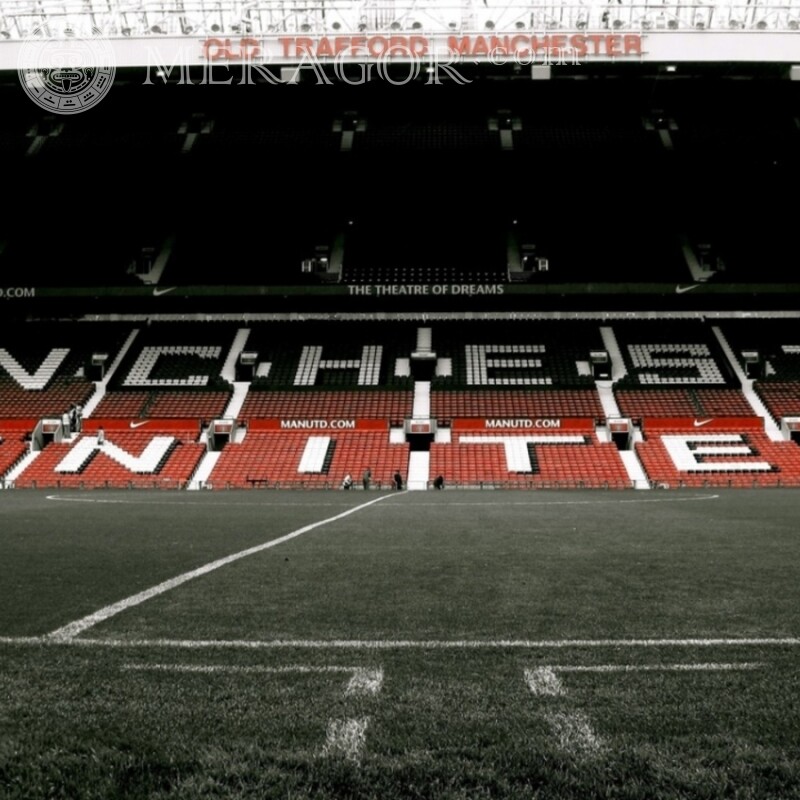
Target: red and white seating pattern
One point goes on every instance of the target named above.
(560, 460)
(126, 459)
(372, 404)
(515, 403)
(751, 458)
(294, 459)
(680, 381)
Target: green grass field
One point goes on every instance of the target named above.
(476, 644)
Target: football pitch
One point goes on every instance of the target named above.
(456, 644)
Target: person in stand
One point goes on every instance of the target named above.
(78, 417)
(347, 482)
(398, 480)
(101, 436)
(438, 482)
(366, 477)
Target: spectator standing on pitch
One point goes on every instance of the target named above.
(347, 482)
(366, 478)
(438, 482)
(398, 480)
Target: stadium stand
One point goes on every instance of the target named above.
(744, 460)
(127, 459)
(172, 370)
(518, 462)
(456, 257)
(767, 352)
(293, 459)
(14, 444)
(50, 368)
(678, 402)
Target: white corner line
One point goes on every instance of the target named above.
(77, 627)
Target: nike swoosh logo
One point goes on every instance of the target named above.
(159, 292)
(698, 423)
(684, 289)
(138, 424)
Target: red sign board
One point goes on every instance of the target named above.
(524, 424)
(91, 424)
(21, 424)
(325, 426)
(702, 424)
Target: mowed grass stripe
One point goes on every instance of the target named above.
(566, 566)
(77, 627)
(408, 573)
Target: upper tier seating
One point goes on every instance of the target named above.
(47, 370)
(514, 369)
(176, 355)
(524, 354)
(164, 404)
(782, 398)
(381, 249)
(172, 370)
(417, 129)
(663, 353)
(680, 402)
(776, 344)
(776, 341)
(448, 405)
(331, 356)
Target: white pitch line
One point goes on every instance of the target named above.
(710, 667)
(544, 681)
(365, 682)
(575, 732)
(346, 738)
(234, 669)
(399, 644)
(593, 502)
(432, 503)
(77, 627)
(209, 504)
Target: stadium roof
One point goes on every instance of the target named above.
(278, 32)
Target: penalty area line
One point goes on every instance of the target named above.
(73, 629)
(616, 502)
(395, 644)
(210, 504)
